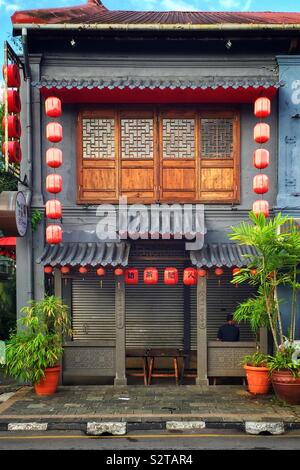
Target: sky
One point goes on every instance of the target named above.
(7, 8)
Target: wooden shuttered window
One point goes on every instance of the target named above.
(138, 137)
(178, 156)
(98, 148)
(219, 157)
(153, 155)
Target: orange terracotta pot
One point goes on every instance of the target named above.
(258, 379)
(48, 384)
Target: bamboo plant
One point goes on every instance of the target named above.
(277, 245)
(37, 344)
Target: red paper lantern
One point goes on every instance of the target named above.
(236, 271)
(131, 276)
(151, 276)
(13, 75)
(14, 151)
(261, 133)
(13, 101)
(54, 183)
(54, 132)
(119, 272)
(261, 184)
(100, 272)
(262, 107)
(261, 159)
(202, 273)
(190, 276)
(261, 207)
(48, 270)
(219, 272)
(171, 276)
(54, 157)
(54, 234)
(53, 209)
(14, 126)
(65, 269)
(83, 270)
(53, 106)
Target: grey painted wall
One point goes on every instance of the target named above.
(289, 133)
(98, 66)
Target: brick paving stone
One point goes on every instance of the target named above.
(224, 403)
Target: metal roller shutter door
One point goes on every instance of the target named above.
(222, 299)
(154, 314)
(93, 308)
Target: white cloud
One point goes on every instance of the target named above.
(166, 5)
(9, 7)
(12, 7)
(247, 5)
(230, 4)
(178, 5)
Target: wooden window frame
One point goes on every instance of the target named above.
(159, 113)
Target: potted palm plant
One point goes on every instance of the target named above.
(257, 373)
(255, 365)
(277, 244)
(34, 350)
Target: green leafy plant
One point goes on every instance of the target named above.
(275, 264)
(36, 217)
(256, 359)
(282, 360)
(38, 342)
(8, 182)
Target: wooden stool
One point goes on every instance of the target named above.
(172, 354)
(144, 356)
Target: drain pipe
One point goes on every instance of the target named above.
(29, 160)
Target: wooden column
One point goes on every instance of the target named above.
(120, 378)
(201, 333)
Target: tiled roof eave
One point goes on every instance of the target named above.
(142, 84)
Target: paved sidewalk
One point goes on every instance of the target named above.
(138, 404)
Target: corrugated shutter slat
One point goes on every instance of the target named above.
(93, 308)
(154, 314)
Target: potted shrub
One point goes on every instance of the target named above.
(285, 373)
(274, 264)
(257, 373)
(34, 350)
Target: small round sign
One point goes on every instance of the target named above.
(13, 213)
(21, 214)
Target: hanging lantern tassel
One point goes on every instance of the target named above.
(119, 272)
(100, 272)
(219, 272)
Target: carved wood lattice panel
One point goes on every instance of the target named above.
(217, 138)
(137, 138)
(98, 139)
(178, 138)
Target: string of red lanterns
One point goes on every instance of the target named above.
(261, 156)
(150, 275)
(54, 159)
(11, 146)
